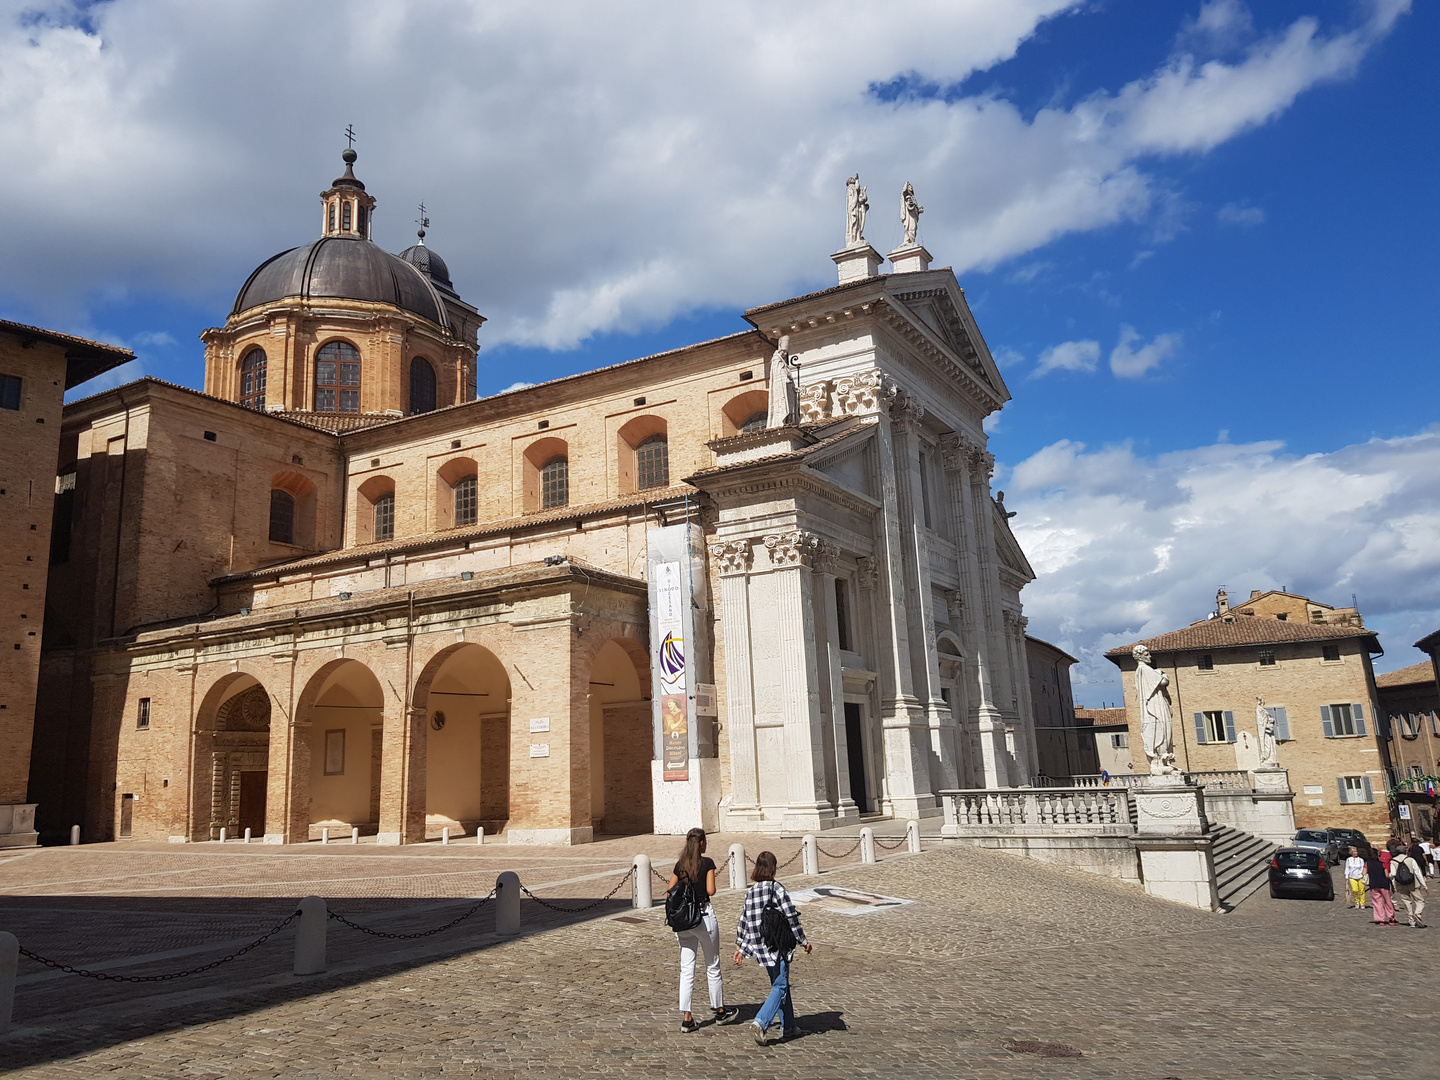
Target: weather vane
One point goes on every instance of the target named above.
(350, 136)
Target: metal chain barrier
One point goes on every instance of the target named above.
(889, 847)
(583, 907)
(423, 933)
(843, 855)
(790, 860)
(105, 976)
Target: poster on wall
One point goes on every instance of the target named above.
(671, 664)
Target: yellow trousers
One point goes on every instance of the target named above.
(1357, 891)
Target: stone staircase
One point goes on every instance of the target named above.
(1242, 863)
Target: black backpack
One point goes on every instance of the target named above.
(1403, 877)
(682, 907)
(775, 928)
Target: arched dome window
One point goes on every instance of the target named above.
(422, 386)
(652, 462)
(466, 501)
(754, 422)
(252, 380)
(385, 516)
(555, 483)
(345, 217)
(332, 218)
(337, 378)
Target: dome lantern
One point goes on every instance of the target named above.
(347, 206)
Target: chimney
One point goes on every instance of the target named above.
(1222, 602)
(1254, 593)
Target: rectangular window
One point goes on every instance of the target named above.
(466, 501)
(1215, 727)
(1342, 720)
(1416, 770)
(1267, 658)
(1355, 789)
(10, 392)
(142, 713)
(335, 752)
(385, 517)
(1435, 724)
(1330, 653)
(842, 615)
(1120, 740)
(1206, 662)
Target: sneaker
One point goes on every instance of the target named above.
(726, 1016)
(794, 1032)
(1418, 925)
(687, 1026)
(759, 1033)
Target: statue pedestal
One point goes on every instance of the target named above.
(17, 825)
(1176, 861)
(1274, 805)
(856, 263)
(910, 259)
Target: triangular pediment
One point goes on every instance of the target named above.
(938, 306)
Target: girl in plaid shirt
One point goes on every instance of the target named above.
(766, 890)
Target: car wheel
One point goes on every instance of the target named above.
(1274, 895)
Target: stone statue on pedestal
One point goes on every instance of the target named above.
(784, 376)
(856, 206)
(910, 211)
(1157, 728)
(1265, 727)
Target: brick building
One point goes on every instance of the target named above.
(1065, 744)
(1410, 712)
(1311, 665)
(336, 591)
(36, 368)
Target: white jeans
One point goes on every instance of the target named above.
(703, 937)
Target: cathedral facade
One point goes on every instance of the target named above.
(756, 584)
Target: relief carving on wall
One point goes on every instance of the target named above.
(867, 571)
(732, 556)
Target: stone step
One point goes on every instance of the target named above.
(1242, 863)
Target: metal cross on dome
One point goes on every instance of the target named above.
(350, 136)
(422, 220)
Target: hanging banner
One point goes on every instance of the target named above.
(670, 663)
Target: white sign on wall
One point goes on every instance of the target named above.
(540, 723)
(705, 700)
(541, 749)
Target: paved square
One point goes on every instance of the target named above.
(996, 951)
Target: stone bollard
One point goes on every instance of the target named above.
(74, 835)
(247, 836)
(867, 845)
(9, 961)
(640, 893)
(507, 904)
(355, 834)
(479, 834)
(737, 866)
(445, 836)
(809, 856)
(222, 834)
(912, 836)
(324, 836)
(310, 936)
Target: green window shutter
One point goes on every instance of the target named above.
(1358, 711)
(1369, 791)
(1340, 782)
(1229, 726)
(1326, 724)
(1200, 728)
(1282, 725)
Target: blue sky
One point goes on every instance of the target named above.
(1199, 237)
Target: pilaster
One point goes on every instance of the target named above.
(732, 560)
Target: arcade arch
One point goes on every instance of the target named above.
(464, 694)
(232, 759)
(344, 706)
(621, 741)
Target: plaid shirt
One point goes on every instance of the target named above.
(747, 933)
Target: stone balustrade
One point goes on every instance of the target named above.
(1031, 810)
(1224, 780)
(1092, 780)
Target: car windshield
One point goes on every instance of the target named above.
(1296, 859)
(1311, 836)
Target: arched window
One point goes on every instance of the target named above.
(252, 380)
(555, 483)
(754, 422)
(422, 386)
(652, 462)
(332, 217)
(337, 378)
(466, 501)
(385, 516)
(364, 220)
(345, 216)
(282, 517)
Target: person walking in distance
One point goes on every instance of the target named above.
(769, 932)
(1355, 878)
(1407, 876)
(1379, 881)
(694, 877)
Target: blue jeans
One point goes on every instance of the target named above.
(779, 999)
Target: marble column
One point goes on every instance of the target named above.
(732, 560)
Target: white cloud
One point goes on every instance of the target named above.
(588, 167)
(1240, 214)
(1068, 356)
(516, 386)
(1006, 357)
(1130, 363)
(1129, 546)
(153, 338)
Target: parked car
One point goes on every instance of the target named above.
(1298, 872)
(1348, 838)
(1320, 841)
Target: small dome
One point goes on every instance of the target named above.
(344, 268)
(428, 263)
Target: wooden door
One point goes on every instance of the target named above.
(252, 802)
(127, 815)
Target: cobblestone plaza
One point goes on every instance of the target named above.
(996, 952)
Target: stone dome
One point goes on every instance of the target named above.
(428, 263)
(345, 268)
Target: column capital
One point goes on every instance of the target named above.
(867, 571)
(906, 410)
(814, 402)
(801, 548)
(863, 394)
(732, 556)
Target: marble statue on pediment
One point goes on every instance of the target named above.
(910, 211)
(1265, 727)
(1157, 726)
(784, 376)
(856, 206)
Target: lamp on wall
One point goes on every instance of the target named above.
(343, 595)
